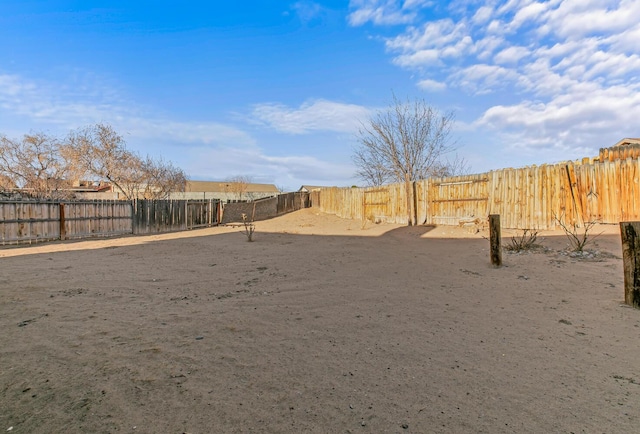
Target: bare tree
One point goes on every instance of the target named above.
(34, 165)
(162, 178)
(455, 167)
(404, 143)
(238, 185)
(99, 151)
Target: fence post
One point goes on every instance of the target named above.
(414, 193)
(630, 232)
(495, 239)
(63, 229)
(134, 210)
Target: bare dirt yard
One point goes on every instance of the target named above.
(320, 325)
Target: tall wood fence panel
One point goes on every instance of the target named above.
(289, 202)
(527, 198)
(202, 213)
(157, 216)
(608, 192)
(96, 219)
(343, 202)
(386, 204)
(531, 197)
(377, 204)
(154, 216)
(455, 199)
(26, 222)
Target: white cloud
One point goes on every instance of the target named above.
(482, 15)
(11, 86)
(511, 55)
(385, 12)
(48, 105)
(419, 58)
(435, 34)
(482, 78)
(308, 11)
(432, 85)
(577, 19)
(573, 63)
(530, 12)
(317, 115)
(575, 120)
(292, 171)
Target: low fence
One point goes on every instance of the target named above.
(263, 209)
(28, 222)
(527, 198)
(33, 221)
(157, 216)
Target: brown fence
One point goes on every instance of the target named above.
(37, 221)
(27, 222)
(32, 221)
(156, 216)
(95, 219)
(528, 198)
(267, 208)
(290, 202)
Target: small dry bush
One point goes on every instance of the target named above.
(249, 227)
(578, 236)
(523, 241)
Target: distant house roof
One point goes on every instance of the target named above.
(310, 188)
(625, 148)
(226, 187)
(627, 141)
(82, 186)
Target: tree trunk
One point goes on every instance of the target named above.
(409, 191)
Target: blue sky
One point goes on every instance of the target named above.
(276, 90)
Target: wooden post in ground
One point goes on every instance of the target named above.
(63, 228)
(414, 193)
(495, 240)
(630, 232)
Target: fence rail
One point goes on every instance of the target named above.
(265, 208)
(32, 221)
(527, 198)
(28, 222)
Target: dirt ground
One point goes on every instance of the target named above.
(320, 325)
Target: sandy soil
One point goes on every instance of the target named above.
(321, 325)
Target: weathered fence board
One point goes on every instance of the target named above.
(294, 201)
(262, 209)
(527, 198)
(150, 216)
(456, 199)
(202, 213)
(31, 221)
(97, 219)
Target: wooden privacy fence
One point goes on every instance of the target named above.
(26, 222)
(527, 198)
(38, 221)
(156, 216)
(266, 208)
(289, 202)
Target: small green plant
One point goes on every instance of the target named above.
(249, 227)
(523, 241)
(578, 236)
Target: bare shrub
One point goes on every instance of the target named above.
(523, 241)
(578, 236)
(249, 227)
